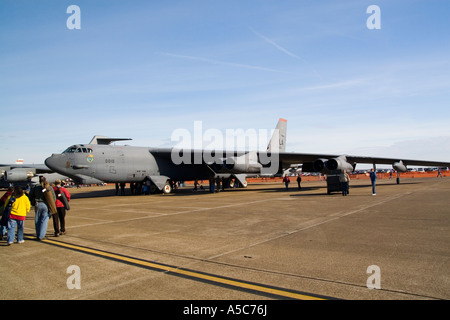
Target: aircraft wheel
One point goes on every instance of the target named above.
(167, 189)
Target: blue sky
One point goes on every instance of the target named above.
(141, 69)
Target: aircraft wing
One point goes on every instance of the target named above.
(21, 172)
(36, 168)
(288, 158)
(393, 160)
(309, 158)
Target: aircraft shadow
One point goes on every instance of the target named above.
(362, 186)
(94, 194)
(187, 191)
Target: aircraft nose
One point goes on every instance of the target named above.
(56, 162)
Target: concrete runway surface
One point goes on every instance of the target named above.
(257, 243)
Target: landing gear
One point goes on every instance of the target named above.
(167, 188)
(236, 183)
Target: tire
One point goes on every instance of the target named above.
(167, 188)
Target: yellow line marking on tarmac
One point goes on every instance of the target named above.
(187, 273)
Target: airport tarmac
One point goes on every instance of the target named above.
(258, 243)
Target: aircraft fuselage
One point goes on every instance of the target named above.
(104, 163)
(94, 163)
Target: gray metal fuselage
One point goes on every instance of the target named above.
(105, 163)
(114, 164)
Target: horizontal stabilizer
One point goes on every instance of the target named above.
(105, 140)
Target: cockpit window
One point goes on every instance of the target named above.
(75, 149)
(71, 149)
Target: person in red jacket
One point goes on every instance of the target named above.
(286, 181)
(59, 219)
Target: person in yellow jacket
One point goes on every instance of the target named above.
(19, 209)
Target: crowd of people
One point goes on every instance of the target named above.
(49, 200)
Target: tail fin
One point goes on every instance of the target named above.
(278, 141)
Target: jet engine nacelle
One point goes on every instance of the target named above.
(399, 166)
(16, 175)
(247, 163)
(3, 171)
(319, 164)
(339, 163)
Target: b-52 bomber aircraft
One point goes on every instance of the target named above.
(101, 162)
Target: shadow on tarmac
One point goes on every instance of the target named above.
(188, 191)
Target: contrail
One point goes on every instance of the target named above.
(276, 45)
(284, 50)
(225, 63)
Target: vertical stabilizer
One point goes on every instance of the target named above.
(278, 141)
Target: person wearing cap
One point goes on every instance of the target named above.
(59, 218)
